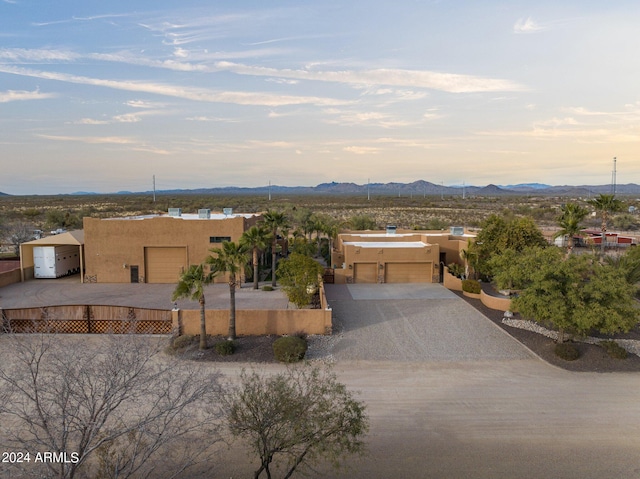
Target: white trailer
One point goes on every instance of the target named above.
(55, 261)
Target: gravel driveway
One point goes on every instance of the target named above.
(411, 323)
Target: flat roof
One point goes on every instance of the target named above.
(380, 235)
(189, 216)
(390, 244)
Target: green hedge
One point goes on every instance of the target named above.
(289, 349)
(471, 286)
(225, 348)
(567, 351)
(614, 350)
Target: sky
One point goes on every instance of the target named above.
(102, 96)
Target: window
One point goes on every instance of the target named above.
(219, 239)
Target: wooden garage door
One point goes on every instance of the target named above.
(408, 273)
(365, 273)
(164, 265)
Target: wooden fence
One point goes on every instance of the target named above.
(87, 319)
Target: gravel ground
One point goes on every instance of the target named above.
(592, 357)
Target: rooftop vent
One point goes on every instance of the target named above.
(175, 211)
(391, 229)
(457, 230)
(204, 213)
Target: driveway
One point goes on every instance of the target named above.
(413, 323)
(69, 290)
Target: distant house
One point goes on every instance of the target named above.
(611, 239)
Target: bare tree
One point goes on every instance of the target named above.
(112, 408)
(18, 233)
(301, 417)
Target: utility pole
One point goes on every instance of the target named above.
(154, 188)
(368, 191)
(269, 190)
(613, 177)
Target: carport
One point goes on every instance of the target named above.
(70, 238)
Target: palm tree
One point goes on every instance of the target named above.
(274, 221)
(255, 239)
(570, 222)
(232, 258)
(605, 204)
(191, 285)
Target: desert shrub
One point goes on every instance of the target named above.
(300, 334)
(471, 286)
(181, 342)
(289, 349)
(225, 348)
(456, 269)
(614, 350)
(567, 351)
(267, 287)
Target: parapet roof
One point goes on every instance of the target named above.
(390, 244)
(190, 216)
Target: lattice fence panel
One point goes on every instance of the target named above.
(87, 319)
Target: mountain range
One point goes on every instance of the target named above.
(417, 188)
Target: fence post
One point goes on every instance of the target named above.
(88, 314)
(176, 321)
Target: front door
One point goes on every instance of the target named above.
(134, 274)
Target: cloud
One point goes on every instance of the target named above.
(91, 121)
(362, 150)
(144, 104)
(188, 93)
(557, 122)
(21, 95)
(117, 140)
(28, 55)
(209, 118)
(447, 82)
(527, 25)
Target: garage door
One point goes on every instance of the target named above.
(164, 265)
(408, 272)
(365, 273)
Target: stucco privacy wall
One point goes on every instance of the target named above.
(113, 246)
(10, 277)
(258, 322)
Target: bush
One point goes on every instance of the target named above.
(225, 348)
(289, 349)
(471, 286)
(182, 342)
(267, 287)
(614, 350)
(567, 351)
(456, 269)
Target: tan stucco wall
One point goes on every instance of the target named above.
(10, 277)
(111, 244)
(259, 322)
(494, 302)
(451, 282)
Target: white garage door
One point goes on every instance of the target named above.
(164, 265)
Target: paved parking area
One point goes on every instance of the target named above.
(69, 290)
(413, 322)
